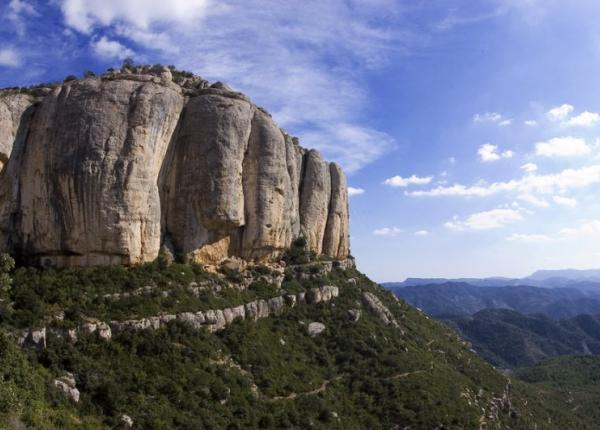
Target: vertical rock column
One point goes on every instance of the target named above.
(203, 194)
(88, 177)
(335, 242)
(315, 194)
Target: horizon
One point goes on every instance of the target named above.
(469, 134)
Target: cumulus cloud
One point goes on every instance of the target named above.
(564, 201)
(110, 49)
(560, 113)
(540, 184)
(530, 123)
(422, 233)
(487, 220)
(563, 147)
(584, 119)
(84, 15)
(355, 191)
(9, 57)
(387, 231)
(399, 181)
(488, 152)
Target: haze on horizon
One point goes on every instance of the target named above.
(471, 133)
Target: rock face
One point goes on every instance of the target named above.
(107, 170)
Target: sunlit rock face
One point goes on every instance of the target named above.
(108, 169)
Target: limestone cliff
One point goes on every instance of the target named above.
(109, 169)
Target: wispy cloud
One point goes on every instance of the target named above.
(587, 229)
(355, 191)
(487, 220)
(539, 184)
(422, 233)
(17, 13)
(387, 231)
(489, 117)
(9, 57)
(307, 72)
(565, 201)
(400, 182)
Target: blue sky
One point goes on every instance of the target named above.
(469, 130)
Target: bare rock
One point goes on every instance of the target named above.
(126, 420)
(354, 315)
(67, 385)
(109, 170)
(315, 328)
(379, 309)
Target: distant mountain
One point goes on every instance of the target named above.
(571, 274)
(453, 298)
(568, 278)
(510, 339)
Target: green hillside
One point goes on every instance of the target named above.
(371, 368)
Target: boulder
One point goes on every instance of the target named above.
(315, 328)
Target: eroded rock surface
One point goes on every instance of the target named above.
(109, 169)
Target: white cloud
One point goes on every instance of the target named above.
(587, 229)
(531, 183)
(399, 181)
(533, 200)
(488, 152)
(530, 123)
(493, 117)
(355, 191)
(505, 122)
(85, 15)
(529, 167)
(564, 201)
(560, 113)
(422, 233)
(309, 73)
(387, 231)
(18, 10)
(9, 57)
(452, 160)
(584, 119)
(110, 49)
(487, 220)
(562, 147)
(352, 145)
(521, 237)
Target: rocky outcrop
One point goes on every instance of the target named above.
(213, 320)
(315, 328)
(108, 169)
(66, 384)
(377, 308)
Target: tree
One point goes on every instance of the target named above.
(7, 265)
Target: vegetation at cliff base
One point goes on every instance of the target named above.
(358, 373)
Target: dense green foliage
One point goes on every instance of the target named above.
(510, 339)
(264, 374)
(458, 298)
